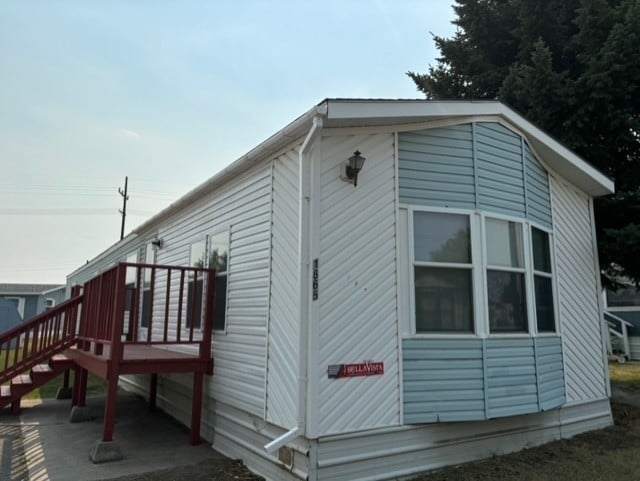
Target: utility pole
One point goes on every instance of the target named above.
(125, 198)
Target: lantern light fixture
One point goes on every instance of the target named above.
(351, 168)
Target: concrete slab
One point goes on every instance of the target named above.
(56, 450)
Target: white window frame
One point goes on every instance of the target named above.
(479, 266)
(552, 276)
(522, 270)
(476, 296)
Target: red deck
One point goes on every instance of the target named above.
(131, 319)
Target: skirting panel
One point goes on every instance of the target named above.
(408, 451)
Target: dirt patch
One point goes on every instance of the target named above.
(603, 455)
(611, 453)
(212, 470)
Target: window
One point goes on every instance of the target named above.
(509, 289)
(543, 281)
(149, 258)
(506, 290)
(442, 272)
(130, 293)
(211, 253)
(198, 258)
(218, 260)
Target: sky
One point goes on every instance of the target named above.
(168, 93)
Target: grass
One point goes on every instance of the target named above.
(626, 376)
(95, 384)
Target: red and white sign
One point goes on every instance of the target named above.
(367, 368)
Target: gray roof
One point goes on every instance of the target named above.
(27, 289)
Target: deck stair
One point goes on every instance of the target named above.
(38, 376)
(144, 319)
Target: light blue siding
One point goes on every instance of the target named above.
(550, 372)
(499, 159)
(483, 165)
(538, 196)
(436, 167)
(478, 379)
(511, 377)
(443, 381)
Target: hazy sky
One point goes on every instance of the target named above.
(168, 93)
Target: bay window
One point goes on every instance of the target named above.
(474, 273)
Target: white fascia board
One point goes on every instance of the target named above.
(561, 159)
(118, 245)
(277, 141)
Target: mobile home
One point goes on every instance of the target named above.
(401, 285)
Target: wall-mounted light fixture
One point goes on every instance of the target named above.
(157, 243)
(350, 168)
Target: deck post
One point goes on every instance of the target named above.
(82, 387)
(153, 389)
(64, 391)
(76, 377)
(117, 350)
(110, 409)
(196, 408)
(79, 411)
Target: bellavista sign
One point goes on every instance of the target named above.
(367, 368)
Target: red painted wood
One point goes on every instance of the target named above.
(196, 408)
(93, 320)
(110, 410)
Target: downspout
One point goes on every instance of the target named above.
(303, 287)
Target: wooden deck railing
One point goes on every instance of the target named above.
(147, 304)
(33, 342)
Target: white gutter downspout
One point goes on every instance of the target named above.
(303, 280)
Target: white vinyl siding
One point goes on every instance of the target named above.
(577, 294)
(283, 306)
(242, 206)
(357, 285)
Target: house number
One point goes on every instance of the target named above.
(315, 279)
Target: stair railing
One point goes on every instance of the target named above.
(36, 340)
(622, 332)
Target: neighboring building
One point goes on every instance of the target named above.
(624, 303)
(445, 309)
(29, 300)
(9, 315)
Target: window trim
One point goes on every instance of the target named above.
(470, 266)
(479, 265)
(518, 270)
(554, 280)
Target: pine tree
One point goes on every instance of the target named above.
(573, 68)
